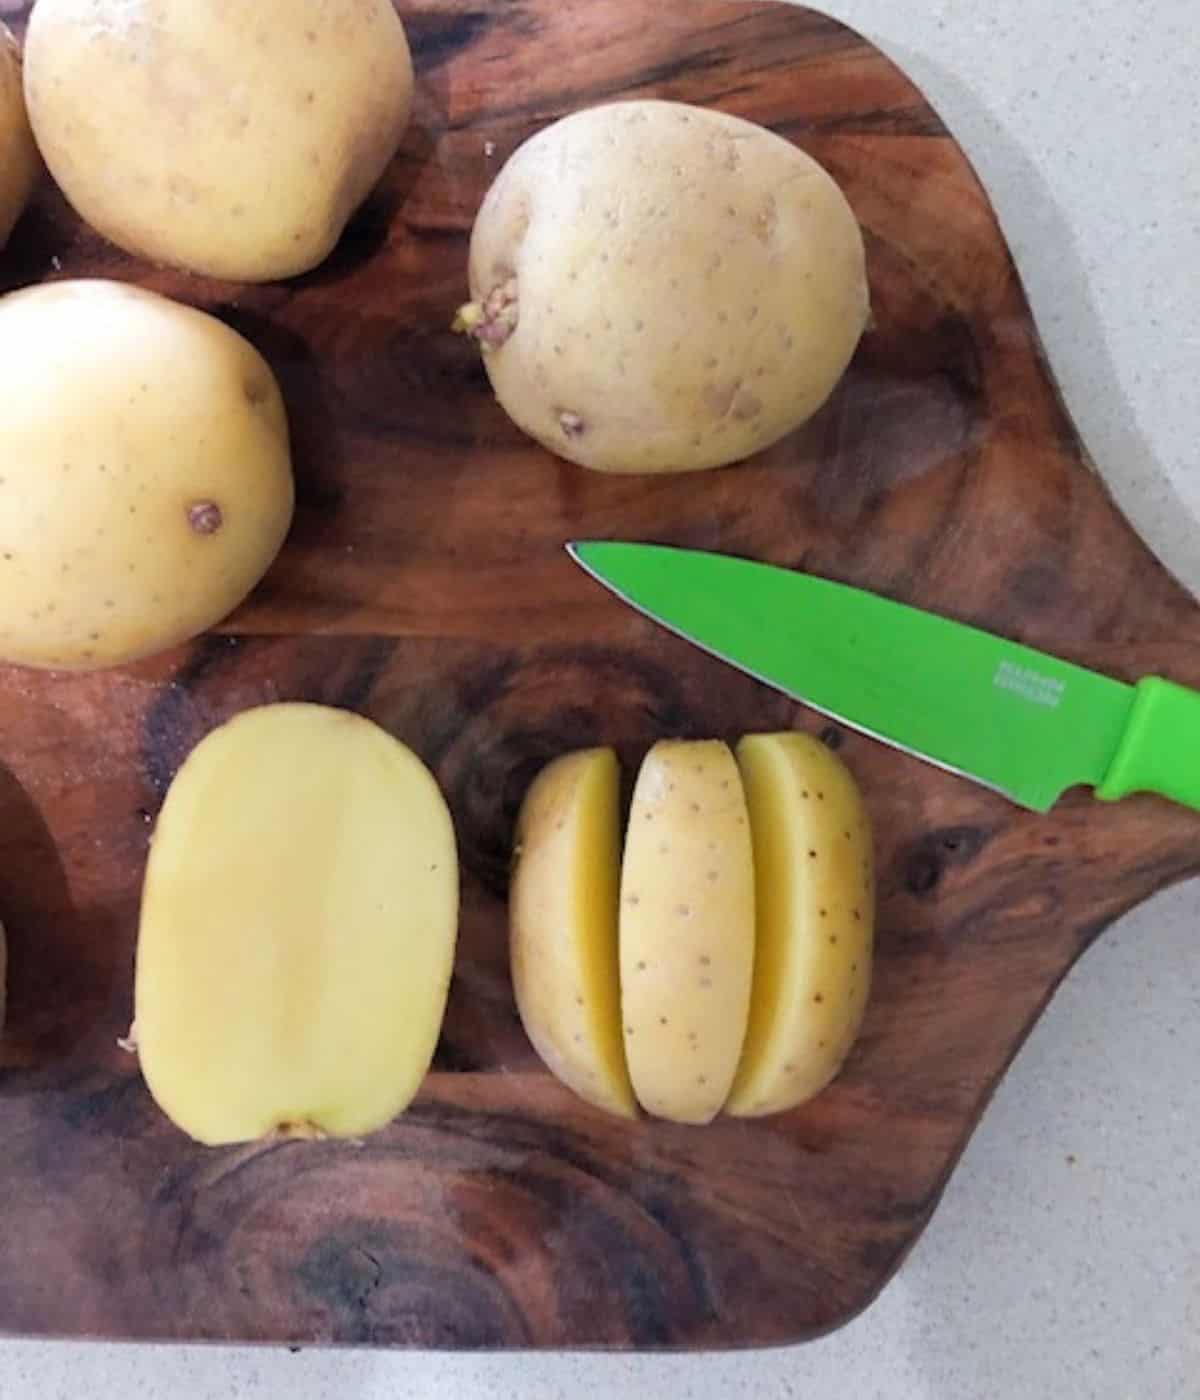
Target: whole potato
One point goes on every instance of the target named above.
(145, 474)
(230, 139)
(661, 288)
(18, 154)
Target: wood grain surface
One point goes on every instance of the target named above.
(425, 585)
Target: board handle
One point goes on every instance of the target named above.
(1160, 749)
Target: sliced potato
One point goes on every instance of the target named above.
(815, 903)
(686, 929)
(563, 908)
(297, 929)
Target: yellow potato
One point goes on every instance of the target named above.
(686, 930)
(234, 139)
(147, 473)
(815, 902)
(661, 288)
(563, 916)
(18, 154)
(297, 931)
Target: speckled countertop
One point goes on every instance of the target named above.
(1065, 1257)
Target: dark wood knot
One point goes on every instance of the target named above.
(928, 858)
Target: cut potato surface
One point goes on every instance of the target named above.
(815, 912)
(686, 929)
(563, 916)
(297, 932)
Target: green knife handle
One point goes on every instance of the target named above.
(1160, 749)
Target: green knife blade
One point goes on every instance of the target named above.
(1014, 719)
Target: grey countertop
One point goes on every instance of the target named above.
(1065, 1257)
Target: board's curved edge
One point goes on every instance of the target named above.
(1086, 935)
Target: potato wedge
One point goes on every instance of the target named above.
(686, 929)
(297, 932)
(563, 919)
(815, 912)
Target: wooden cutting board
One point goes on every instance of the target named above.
(425, 584)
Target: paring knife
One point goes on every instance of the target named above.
(1014, 719)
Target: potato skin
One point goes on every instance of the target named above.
(18, 154)
(686, 287)
(230, 139)
(815, 902)
(686, 929)
(147, 469)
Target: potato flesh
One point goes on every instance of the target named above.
(815, 912)
(690, 286)
(297, 933)
(563, 916)
(686, 929)
(233, 139)
(124, 412)
(18, 154)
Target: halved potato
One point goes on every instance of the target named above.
(297, 930)
(687, 929)
(815, 903)
(563, 915)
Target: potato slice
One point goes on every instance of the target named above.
(563, 909)
(686, 929)
(297, 930)
(815, 901)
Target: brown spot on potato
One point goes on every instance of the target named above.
(205, 517)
